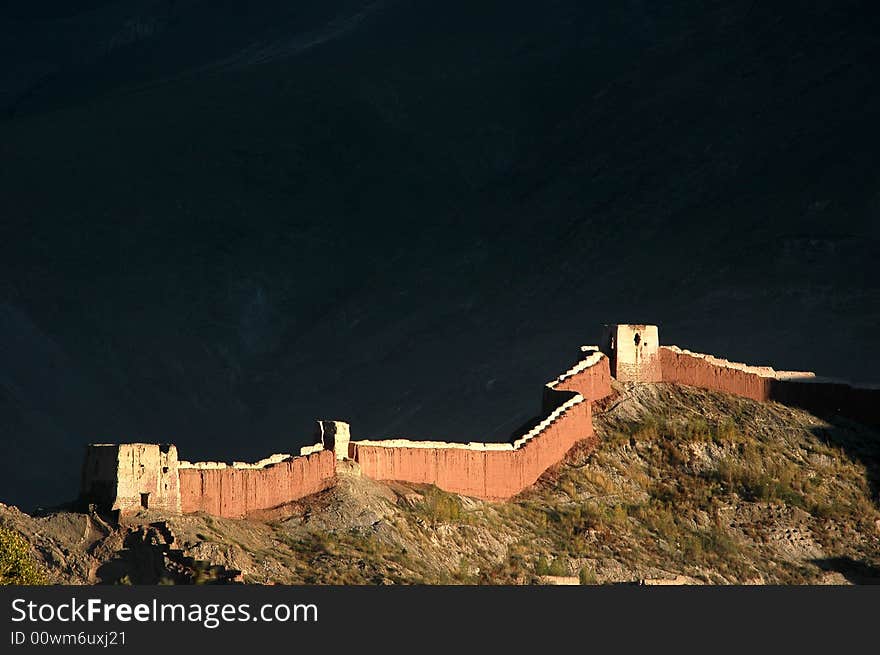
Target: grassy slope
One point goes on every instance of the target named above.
(685, 484)
(399, 227)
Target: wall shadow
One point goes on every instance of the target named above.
(829, 398)
(859, 442)
(147, 558)
(855, 571)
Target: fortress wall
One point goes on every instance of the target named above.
(131, 476)
(794, 388)
(551, 445)
(454, 469)
(475, 469)
(591, 378)
(235, 491)
(698, 370)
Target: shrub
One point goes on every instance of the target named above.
(617, 515)
(586, 576)
(599, 481)
(728, 433)
(659, 518)
(757, 479)
(568, 487)
(441, 507)
(556, 567)
(647, 431)
(542, 566)
(17, 566)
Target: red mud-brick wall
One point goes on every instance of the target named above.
(593, 383)
(454, 469)
(235, 492)
(488, 474)
(685, 368)
(549, 447)
(823, 398)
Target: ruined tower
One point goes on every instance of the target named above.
(335, 436)
(132, 476)
(633, 351)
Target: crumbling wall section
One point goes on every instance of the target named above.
(335, 436)
(131, 476)
(236, 491)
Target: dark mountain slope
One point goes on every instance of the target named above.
(408, 214)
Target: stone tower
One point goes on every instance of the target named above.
(132, 476)
(633, 351)
(335, 436)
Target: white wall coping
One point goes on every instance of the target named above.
(588, 362)
(309, 450)
(762, 371)
(271, 460)
(476, 445)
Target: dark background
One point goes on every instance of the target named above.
(221, 220)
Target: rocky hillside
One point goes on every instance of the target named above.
(221, 220)
(686, 486)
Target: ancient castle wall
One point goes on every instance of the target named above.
(489, 471)
(330, 435)
(129, 477)
(132, 476)
(699, 370)
(795, 388)
(590, 377)
(135, 476)
(236, 491)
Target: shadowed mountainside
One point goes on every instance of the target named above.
(221, 221)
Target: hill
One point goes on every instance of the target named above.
(686, 486)
(222, 220)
